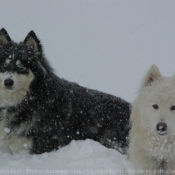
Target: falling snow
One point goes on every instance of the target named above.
(6, 130)
(100, 46)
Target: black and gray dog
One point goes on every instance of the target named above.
(41, 112)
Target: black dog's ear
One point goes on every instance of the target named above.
(4, 37)
(32, 42)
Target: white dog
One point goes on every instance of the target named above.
(152, 135)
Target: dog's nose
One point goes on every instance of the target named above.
(8, 83)
(161, 128)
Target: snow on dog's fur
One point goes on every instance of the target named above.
(40, 112)
(152, 135)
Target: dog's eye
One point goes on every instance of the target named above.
(20, 66)
(21, 69)
(172, 108)
(155, 106)
(5, 65)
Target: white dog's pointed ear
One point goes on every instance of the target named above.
(4, 37)
(152, 75)
(32, 42)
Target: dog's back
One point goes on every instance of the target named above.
(73, 112)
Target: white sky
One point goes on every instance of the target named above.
(106, 45)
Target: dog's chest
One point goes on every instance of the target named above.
(10, 141)
(11, 99)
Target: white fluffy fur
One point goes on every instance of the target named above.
(12, 142)
(149, 151)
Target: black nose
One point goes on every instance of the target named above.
(8, 83)
(161, 128)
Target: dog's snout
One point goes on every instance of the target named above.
(8, 83)
(161, 128)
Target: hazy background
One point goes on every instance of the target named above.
(106, 45)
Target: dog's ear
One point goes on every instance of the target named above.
(152, 75)
(4, 37)
(32, 42)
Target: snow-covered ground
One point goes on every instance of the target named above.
(106, 45)
(79, 157)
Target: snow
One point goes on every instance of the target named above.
(6, 130)
(79, 157)
(103, 45)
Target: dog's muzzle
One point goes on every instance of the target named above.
(8, 83)
(161, 128)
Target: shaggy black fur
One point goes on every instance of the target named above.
(60, 111)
